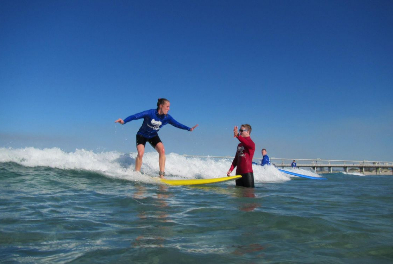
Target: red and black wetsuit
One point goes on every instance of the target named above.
(243, 161)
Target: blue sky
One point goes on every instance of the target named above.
(313, 78)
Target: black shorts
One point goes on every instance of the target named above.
(142, 140)
(247, 180)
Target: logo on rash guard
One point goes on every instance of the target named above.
(240, 151)
(156, 124)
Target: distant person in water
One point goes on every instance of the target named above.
(243, 158)
(265, 158)
(293, 164)
(154, 119)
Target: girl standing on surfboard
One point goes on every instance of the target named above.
(244, 155)
(154, 119)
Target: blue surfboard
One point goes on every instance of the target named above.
(301, 175)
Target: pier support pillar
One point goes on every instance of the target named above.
(330, 169)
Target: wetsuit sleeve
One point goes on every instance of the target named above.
(136, 116)
(174, 123)
(249, 144)
(234, 163)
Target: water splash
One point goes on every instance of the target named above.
(121, 165)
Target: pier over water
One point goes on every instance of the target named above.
(330, 166)
(326, 166)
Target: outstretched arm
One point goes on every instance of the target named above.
(174, 123)
(132, 117)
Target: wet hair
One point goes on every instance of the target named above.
(161, 101)
(247, 126)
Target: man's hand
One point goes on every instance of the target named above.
(235, 132)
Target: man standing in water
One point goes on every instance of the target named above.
(265, 158)
(244, 155)
(154, 119)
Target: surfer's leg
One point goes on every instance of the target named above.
(157, 144)
(248, 179)
(161, 160)
(239, 182)
(140, 147)
(138, 161)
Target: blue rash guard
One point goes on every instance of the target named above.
(265, 160)
(153, 122)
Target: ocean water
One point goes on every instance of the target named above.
(86, 207)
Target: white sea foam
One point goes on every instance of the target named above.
(303, 172)
(120, 165)
(353, 173)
